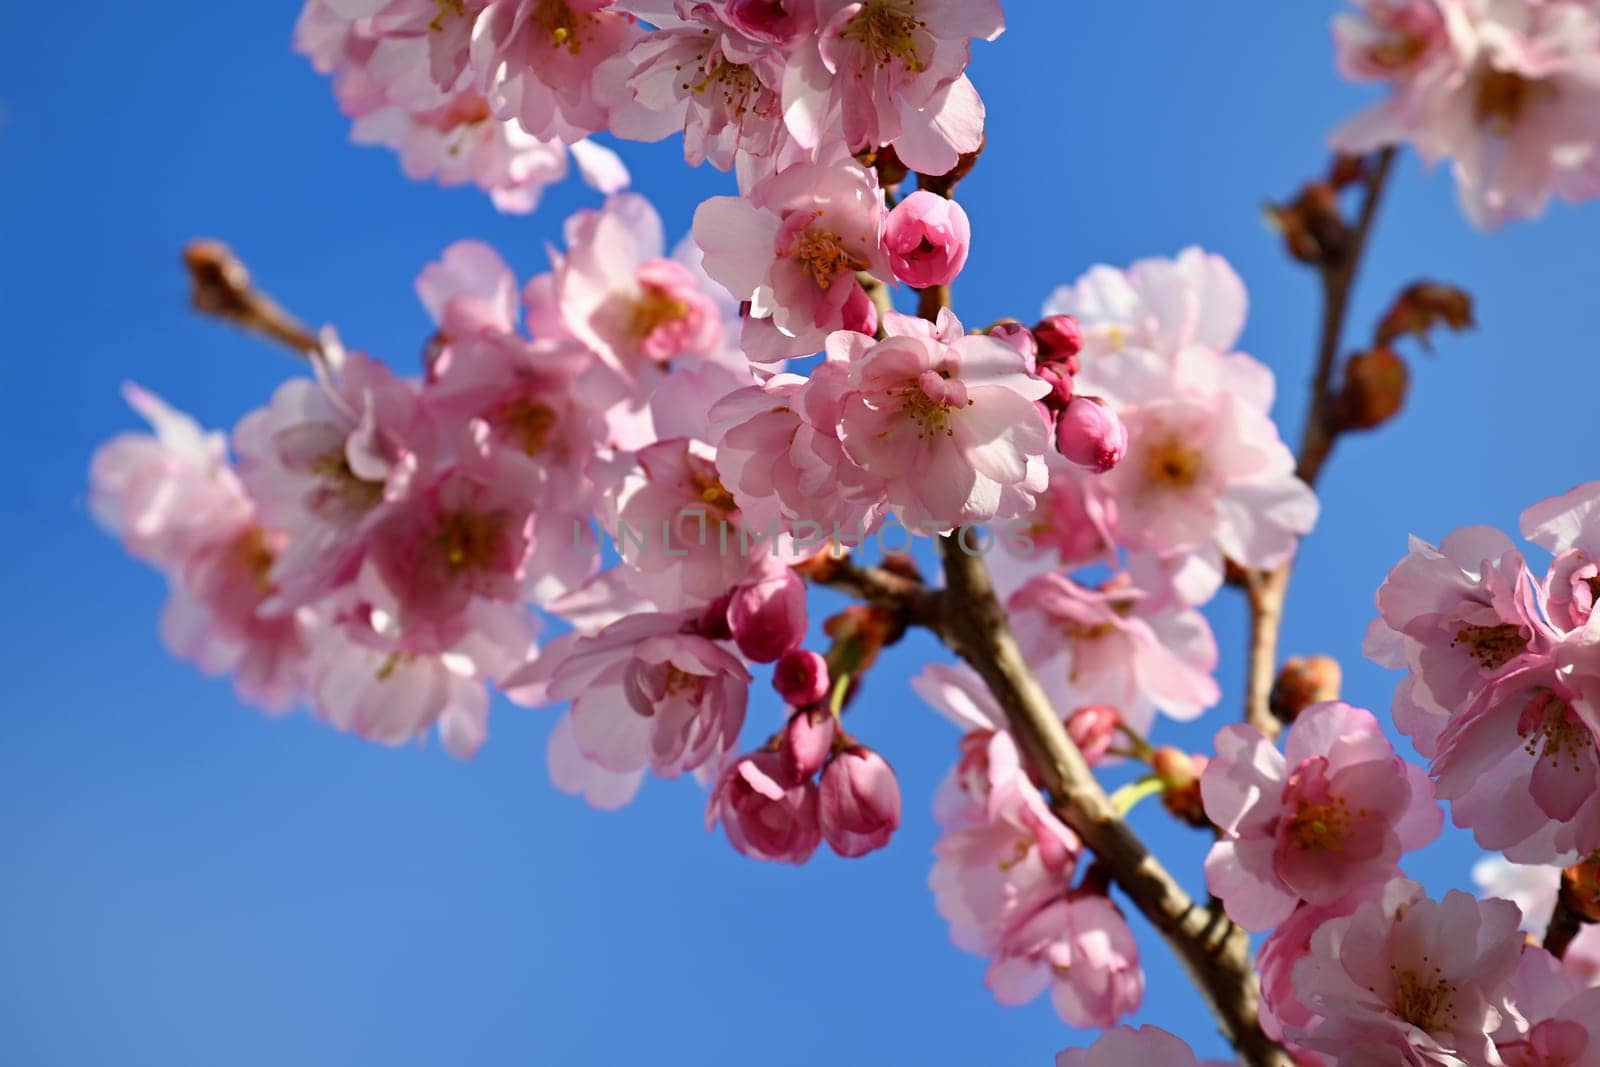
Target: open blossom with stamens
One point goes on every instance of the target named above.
(1333, 812)
(1568, 526)
(710, 73)
(1081, 949)
(946, 419)
(891, 72)
(1206, 476)
(1507, 90)
(792, 249)
(1456, 617)
(538, 61)
(646, 693)
(1108, 646)
(1409, 980)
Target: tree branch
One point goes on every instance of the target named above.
(910, 598)
(1268, 590)
(1214, 951)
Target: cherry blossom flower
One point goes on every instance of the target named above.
(645, 693)
(1148, 1046)
(767, 612)
(1557, 1017)
(792, 249)
(1568, 526)
(1406, 979)
(538, 61)
(1533, 890)
(927, 237)
(766, 813)
(1290, 942)
(576, 775)
(1507, 90)
(946, 419)
(1081, 949)
(1334, 811)
(890, 72)
(1456, 617)
(1107, 646)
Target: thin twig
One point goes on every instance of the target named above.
(223, 290)
(1268, 590)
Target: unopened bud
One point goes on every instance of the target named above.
(808, 740)
(1304, 681)
(1580, 889)
(801, 677)
(859, 802)
(1421, 308)
(1091, 435)
(1092, 729)
(768, 615)
(1180, 779)
(1313, 228)
(1374, 389)
(1060, 339)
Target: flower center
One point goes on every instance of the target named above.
(1171, 464)
(564, 26)
(1503, 98)
(823, 255)
(887, 30)
(467, 541)
(447, 9)
(654, 309)
(932, 415)
(333, 470)
(254, 557)
(681, 681)
(1492, 646)
(1423, 1000)
(735, 82)
(709, 488)
(529, 423)
(1320, 827)
(1551, 730)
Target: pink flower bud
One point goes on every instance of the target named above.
(1091, 435)
(1060, 339)
(860, 802)
(766, 812)
(1017, 336)
(808, 740)
(927, 237)
(1062, 387)
(768, 614)
(1093, 728)
(801, 677)
(860, 313)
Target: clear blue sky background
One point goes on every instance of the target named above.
(183, 882)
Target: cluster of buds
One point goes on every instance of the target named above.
(1376, 381)
(1087, 431)
(1313, 224)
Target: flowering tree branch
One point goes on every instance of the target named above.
(1267, 590)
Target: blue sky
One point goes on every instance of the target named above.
(186, 882)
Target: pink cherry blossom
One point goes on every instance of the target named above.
(927, 237)
(792, 249)
(1456, 617)
(1161, 305)
(1509, 92)
(779, 454)
(859, 802)
(1110, 646)
(1331, 813)
(1206, 476)
(576, 775)
(945, 418)
(1410, 980)
(1533, 890)
(1290, 942)
(538, 61)
(1081, 949)
(1569, 527)
(890, 72)
(767, 814)
(1148, 1046)
(1557, 1017)
(767, 612)
(645, 693)
(709, 71)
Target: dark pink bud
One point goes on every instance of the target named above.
(801, 677)
(768, 615)
(1015, 335)
(1093, 728)
(808, 740)
(766, 812)
(1091, 435)
(859, 803)
(927, 237)
(1060, 340)
(1062, 388)
(860, 313)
